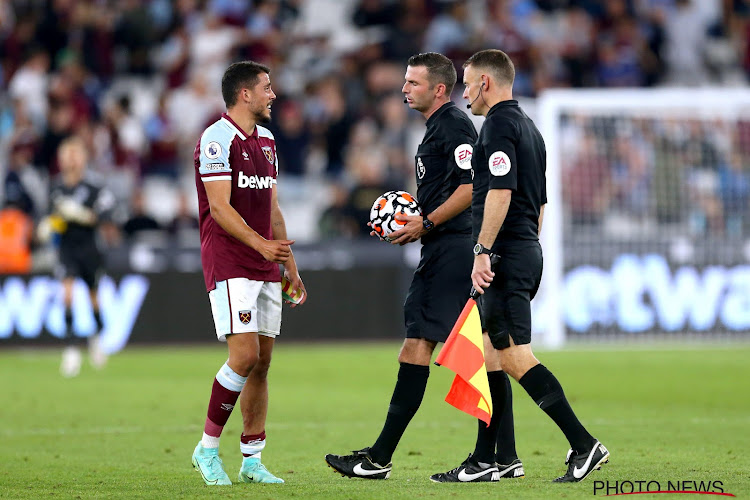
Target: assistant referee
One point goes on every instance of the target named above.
(508, 203)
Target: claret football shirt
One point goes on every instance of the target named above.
(226, 152)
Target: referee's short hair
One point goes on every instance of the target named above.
(440, 69)
(238, 75)
(496, 62)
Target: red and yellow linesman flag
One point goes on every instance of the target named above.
(463, 353)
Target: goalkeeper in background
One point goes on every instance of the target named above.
(77, 208)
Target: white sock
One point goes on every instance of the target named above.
(209, 441)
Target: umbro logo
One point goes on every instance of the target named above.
(227, 406)
(245, 155)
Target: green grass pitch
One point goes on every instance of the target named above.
(666, 414)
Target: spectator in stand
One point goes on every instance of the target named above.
(29, 84)
(686, 33)
(16, 229)
(186, 219)
(59, 127)
(367, 167)
(139, 222)
(590, 196)
(734, 187)
(335, 126)
(631, 176)
(161, 135)
(451, 32)
(23, 185)
(292, 138)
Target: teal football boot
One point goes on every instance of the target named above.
(207, 462)
(253, 471)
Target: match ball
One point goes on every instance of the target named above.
(383, 212)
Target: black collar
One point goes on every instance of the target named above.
(502, 104)
(442, 109)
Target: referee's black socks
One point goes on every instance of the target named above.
(500, 432)
(546, 391)
(407, 396)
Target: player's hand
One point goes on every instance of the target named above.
(277, 251)
(70, 210)
(481, 273)
(293, 276)
(412, 230)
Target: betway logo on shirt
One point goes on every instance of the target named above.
(254, 181)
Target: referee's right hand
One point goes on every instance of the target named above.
(481, 273)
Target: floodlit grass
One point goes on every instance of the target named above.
(128, 431)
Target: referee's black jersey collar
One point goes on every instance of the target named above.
(502, 104)
(439, 112)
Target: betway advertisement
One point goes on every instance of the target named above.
(32, 307)
(643, 293)
(620, 295)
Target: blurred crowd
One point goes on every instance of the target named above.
(139, 80)
(665, 174)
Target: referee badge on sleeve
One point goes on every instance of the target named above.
(499, 164)
(462, 154)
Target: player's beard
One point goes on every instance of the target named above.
(262, 116)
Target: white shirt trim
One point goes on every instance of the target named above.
(217, 178)
(236, 130)
(264, 132)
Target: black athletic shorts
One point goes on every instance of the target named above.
(506, 305)
(440, 287)
(84, 263)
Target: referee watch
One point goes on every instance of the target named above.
(427, 224)
(479, 249)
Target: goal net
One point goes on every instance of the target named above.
(647, 233)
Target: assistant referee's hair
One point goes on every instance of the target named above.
(496, 62)
(440, 69)
(238, 75)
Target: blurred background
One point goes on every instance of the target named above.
(649, 154)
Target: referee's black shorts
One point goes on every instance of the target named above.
(84, 262)
(440, 287)
(506, 305)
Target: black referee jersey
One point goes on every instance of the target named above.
(510, 154)
(443, 162)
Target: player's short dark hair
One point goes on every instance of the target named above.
(240, 74)
(440, 69)
(496, 62)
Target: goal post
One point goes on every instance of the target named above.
(647, 229)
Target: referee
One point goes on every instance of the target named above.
(509, 163)
(441, 281)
